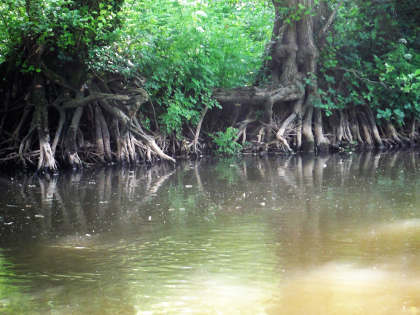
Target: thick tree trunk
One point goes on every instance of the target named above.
(71, 139)
(364, 124)
(99, 138)
(413, 131)
(374, 128)
(355, 128)
(293, 56)
(322, 143)
(46, 160)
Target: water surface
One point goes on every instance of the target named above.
(338, 234)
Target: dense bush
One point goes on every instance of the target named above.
(373, 59)
(186, 48)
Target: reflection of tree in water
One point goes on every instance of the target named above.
(97, 201)
(83, 202)
(328, 205)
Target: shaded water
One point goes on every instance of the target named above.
(286, 235)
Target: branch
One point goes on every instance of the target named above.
(242, 95)
(254, 95)
(197, 131)
(358, 74)
(288, 93)
(330, 21)
(94, 97)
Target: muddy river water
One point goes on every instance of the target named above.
(337, 234)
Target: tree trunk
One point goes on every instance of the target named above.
(71, 143)
(322, 143)
(308, 141)
(374, 128)
(46, 160)
(365, 130)
(292, 57)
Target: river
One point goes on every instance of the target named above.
(336, 234)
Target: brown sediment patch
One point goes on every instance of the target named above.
(346, 289)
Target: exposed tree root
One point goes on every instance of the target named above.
(81, 120)
(198, 130)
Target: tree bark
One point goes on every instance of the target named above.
(71, 143)
(322, 142)
(46, 160)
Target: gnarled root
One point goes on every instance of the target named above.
(413, 132)
(308, 141)
(46, 160)
(280, 135)
(322, 142)
(71, 148)
(373, 128)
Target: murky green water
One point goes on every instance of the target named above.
(285, 235)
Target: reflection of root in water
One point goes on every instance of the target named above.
(346, 289)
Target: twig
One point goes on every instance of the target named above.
(197, 132)
(330, 21)
(358, 74)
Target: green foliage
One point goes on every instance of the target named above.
(371, 58)
(294, 14)
(66, 29)
(226, 141)
(399, 71)
(186, 48)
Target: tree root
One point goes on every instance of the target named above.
(95, 122)
(197, 132)
(322, 142)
